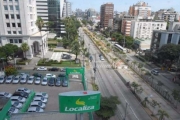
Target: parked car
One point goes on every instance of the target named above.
(37, 81)
(63, 69)
(9, 79)
(2, 79)
(53, 69)
(64, 82)
(22, 94)
(13, 110)
(37, 75)
(16, 104)
(58, 82)
(42, 99)
(37, 104)
(35, 109)
(102, 58)
(51, 81)
(42, 69)
(16, 79)
(23, 90)
(21, 74)
(5, 94)
(154, 72)
(41, 94)
(44, 81)
(30, 80)
(61, 75)
(49, 75)
(18, 98)
(23, 79)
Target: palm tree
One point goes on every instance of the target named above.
(75, 48)
(145, 101)
(40, 24)
(25, 48)
(162, 114)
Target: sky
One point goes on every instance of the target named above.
(123, 5)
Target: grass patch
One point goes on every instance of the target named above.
(22, 62)
(67, 64)
(52, 41)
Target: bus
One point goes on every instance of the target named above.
(119, 47)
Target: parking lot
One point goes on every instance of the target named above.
(52, 91)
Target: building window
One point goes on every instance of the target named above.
(31, 23)
(16, 0)
(18, 16)
(12, 16)
(19, 24)
(9, 32)
(169, 38)
(20, 32)
(15, 40)
(30, 9)
(20, 40)
(14, 32)
(10, 0)
(17, 7)
(31, 16)
(4, 0)
(5, 7)
(11, 40)
(8, 24)
(11, 7)
(29, 1)
(13, 25)
(7, 16)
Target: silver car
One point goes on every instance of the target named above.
(5, 94)
(44, 100)
(9, 79)
(37, 81)
(41, 94)
(16, 79)
(31, 80)
(38, 104)
(18, 98)
(16, 104)
(35, 109)
(2, 79)
(13, 110)
(44, 81)
(23, 90)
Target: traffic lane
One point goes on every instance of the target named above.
(53, 92)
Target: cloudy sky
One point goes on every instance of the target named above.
(123, 5)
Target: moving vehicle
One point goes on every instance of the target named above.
(9, 79)
(154, 72)
(16, 79)
(119, 47)
(5, 94)
(44, 81)
(42, 69)
(23, 90)
(49, 75)
(2, 78)
(53, 69)
(51, 81)
(42, 99)
(30, 80)
(37, 81)
(18, 98)
(101, 58)
(37, 104)
(41, 94)
(22, 94)
(16, 104)
(35, 109)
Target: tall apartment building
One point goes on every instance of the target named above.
(51, 11)
(140, 9)
(17, 21)
(90, 13)
(106, 13)
(144, 29)
(66, 9)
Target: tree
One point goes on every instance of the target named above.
(75, 48)
(154, 104)
(176, 96)
(137, 87)
(162, 114)
(49, 24)
(145, 101)
(108, 106)
(10, 70)
(25, 48)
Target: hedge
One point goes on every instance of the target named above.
(21, 63)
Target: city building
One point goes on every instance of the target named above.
(17, 21)
(66, 9)
(106, 13)
(162, 37)
(144, 28)
(51, 12)
(167, 15)
(91, 13)
(140, 9)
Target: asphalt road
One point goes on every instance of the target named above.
(110, 84)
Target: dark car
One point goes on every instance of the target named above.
(58, 82)
(61, 75)
(37, 75)
(64, 82)
(51, 81)
(53, 69)
(22, 94)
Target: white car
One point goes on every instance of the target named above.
(44, 81)
(9, 79)
(23, 90)
(35, 109)
(37, 104)
(18, 98)
(37, 81)
(2, 78)
(49, 75)
(102, 58)
(16, 104)
(44, 100)
(13, 110)
(16, 79)
(5, 94)
(30, 80)
(41, 94)
(42, 69)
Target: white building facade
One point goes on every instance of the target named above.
(17, 21)
(144, 29)
(67, 12)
